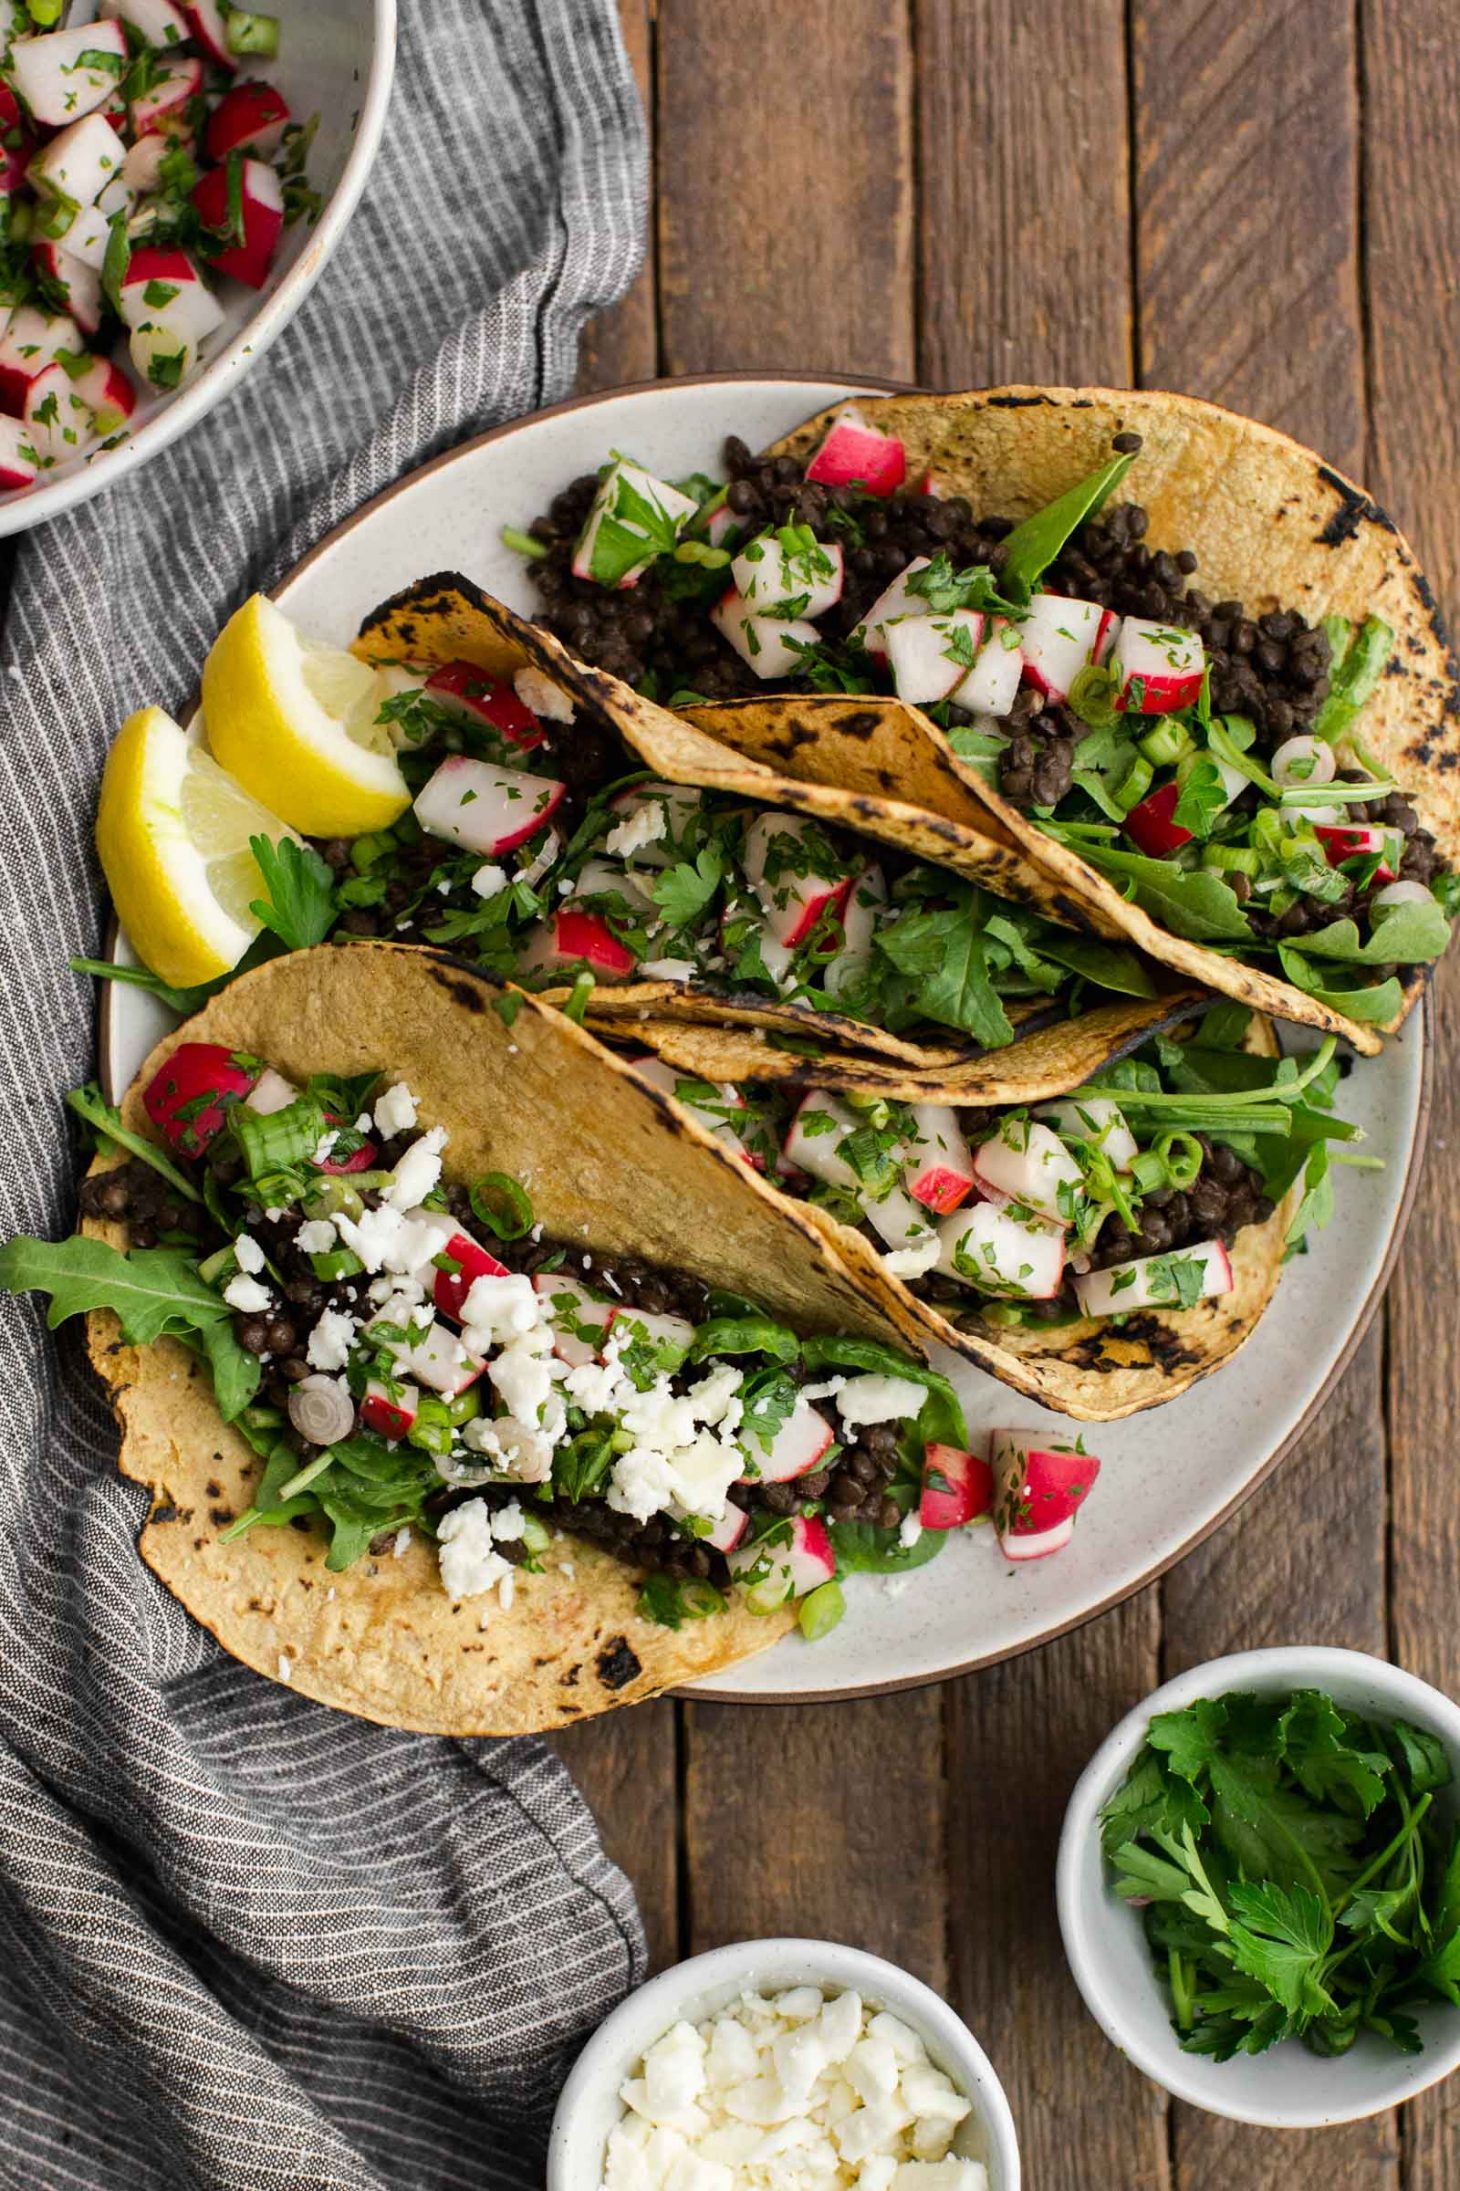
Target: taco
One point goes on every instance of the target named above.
(475, 1391)
(1221, 715)
(650, 868)
(1101, 1250)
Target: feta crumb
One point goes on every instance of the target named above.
(879, 1399)
(418, 1171)
(910, 1530)
(470, 1562)
(316, 1236)
(247, 1253)
(645, 825)
(539, 693)
(246, 1295)
(325, 1146)
(489, 881)
(331, 1340)
(913, 1261)
(395, 1111)
(669, 969)
(285, 1667)
(402, 1542)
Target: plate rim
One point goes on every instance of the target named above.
(1421, 1024)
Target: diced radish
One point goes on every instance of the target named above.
(188, 1098)
(795, 1449)
(580, 1323)
(623, 485)
(1094, 1118)
(389, 1413)
(1159, 668)
(1057, 638)
(867, 897)
(675, 808)
(18, 467)
(724, 1534)
(483, 808)
(73, 283)
(678, 1085)
(108, 392)
(588, 938)
(1303, 760)
(1030, 1164)
(271, 1092)
(252, 117)
(32, 342)
(261, 206)
(14, 161)
(208, 24)
(162, 109)
(358, 1160)
(9, 109)
(1399, 893)
(155, 269)
(1174, 1280)
(822, 1122)
(477, 699)
(1358, 840)
(87, 239)
(957, 1487)
(898, 600)
(794, 1559)
(929, 655)
(607, 878)
(937, 1164)
(905, 1226)
(442, 1363)
(769, 577)
(449, 1288)
(668, 1337)
(157, 22)
(170, 318)
(1150, 826)
(1041, 1482)
(992, 685)
(721, 525)
(774, 847)
(855, 454)
(142, 168)
(766, 644)
(59, 420)
(68, 72)
(79, 162)
(989, 1248)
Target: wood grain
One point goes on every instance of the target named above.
(785, 166)
(1412, 207)
(622, 345)
(626, 1765)
(1023, 193)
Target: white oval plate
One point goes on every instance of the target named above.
(1169, 1476)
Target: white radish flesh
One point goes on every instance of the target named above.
(988, 1248)
(1094, 1118)
(270, 1092)
(60, 421)
(56, 84)
(605, 878)
(864, 903)
(161, 110)
(905, 1225)
(937, 1163)
(1056, 639)
(817, 1131)
(774, 846)
(727, 1530)
(769, 645)
(108, 392)
(676, 509)
(674, 807)
(580, 1323)
(929, 655)
(669, 1337)
(1158, 668)
(442, 1363)
(992, 685)
(795, 1449)
(774, 1571)
(1030, 1164)
(79, 162)
(483, 808)
(18, 467)
(157, 22)
(662, 1076)
(1151, 1281)
(898, 600)
(799, 582)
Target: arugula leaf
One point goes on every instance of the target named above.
(105, 1121)
(1032, 546)
(1405, 935)
(300, 905)
(1373, 1003)
(1354, 678)
(941, 1419)
(1190, 902)
(1203, 797)
(862, 1549)
(942, 955)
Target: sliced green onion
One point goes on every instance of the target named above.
(577, 1004)
(336, 1263)
(1181, 1153)
(1336, 794)
(1167, 744)
(536, 1534)
(700, 551)
(1138, 780)
(251, 33)
(500, 1202)
(1232, 859)
(213, 1267)
(431, 1430)
(1092, 697)
(367, 851)
(462, 1406)
(523, 544)
(296, 1484)
(819, 1612)
(700, 1600)
(274, 1141)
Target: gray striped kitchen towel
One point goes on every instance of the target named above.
(247, 1943)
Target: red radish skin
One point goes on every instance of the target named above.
(473, 697)
(793, 903)
(188, 1098)
(250, 118)
(1040, 1485)
(856, 454)
(450, 1288)
(957, 1488)
(262, 201)
(108, 392)
(56, 77)
(163, 109)
(587, 936)
(898, 600)
(724, 1534)
(939, 1171)
(207, 25)
(486, 809)
(1150, 826)
(18, 467)
(1356, 841)
(1057, 639)
(389, 1414)
(1158, 668)
(32, 341)
(791, 1568)
(9, 108)
(796, 1448)
(361, 1160)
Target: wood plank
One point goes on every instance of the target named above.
(1018, 1737)
(623, 344)
(1024, 186)
(1247, 267)
(785, 165)
(1412, 113)
(626, 1765)
(826, 1820)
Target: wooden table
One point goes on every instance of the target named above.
(1257, 201)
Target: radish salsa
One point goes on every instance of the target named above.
(1124, 1196)
(1209, 763)
(141, 164)
(409, 1354)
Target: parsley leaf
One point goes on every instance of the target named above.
(300, 906)
(683, 892)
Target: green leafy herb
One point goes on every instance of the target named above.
(105, 1121)
(1031, 547)
(1355, 674)
(683, 892)
(1193, 902)
(300, 904)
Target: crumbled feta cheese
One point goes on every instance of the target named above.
(910, 1530)
(402, 1543)
(316, 1236)
(500, 1309)
(489, 881)
(539, 693)
(395, 1111)
(879, 1399)
(324, 1148)
(645, 825)
(913, 1261)
(418, 1171)
(331, 1340)
(285, 1668)
(793, 2093)
(246, 1295)
(470, 1562)
(247, 1253)
(669, 969)
(513, 1448)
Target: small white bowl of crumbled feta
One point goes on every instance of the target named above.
(783, 2065)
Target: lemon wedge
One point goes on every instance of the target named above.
(172, 830)
(295, 723)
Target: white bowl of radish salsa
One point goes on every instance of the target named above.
(173, 176)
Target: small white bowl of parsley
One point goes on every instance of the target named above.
(1259, 1886)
